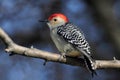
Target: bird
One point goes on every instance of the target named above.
(69, 39)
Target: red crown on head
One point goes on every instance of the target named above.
(58, 15)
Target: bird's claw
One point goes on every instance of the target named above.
(62, 56)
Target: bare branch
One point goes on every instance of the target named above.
(100, 64)
(48, 56)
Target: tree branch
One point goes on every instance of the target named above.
(11, 47)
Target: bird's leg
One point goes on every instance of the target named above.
(62, 56)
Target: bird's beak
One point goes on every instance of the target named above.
(43, 21)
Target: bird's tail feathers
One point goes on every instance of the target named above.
(89, 64)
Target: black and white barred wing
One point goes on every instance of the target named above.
(74, 36)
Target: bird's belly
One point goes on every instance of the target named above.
(65, 47)
(74, 53)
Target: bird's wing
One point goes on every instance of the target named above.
(74, 36)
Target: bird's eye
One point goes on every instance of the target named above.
(55, 19)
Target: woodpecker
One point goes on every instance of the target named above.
(69, 39)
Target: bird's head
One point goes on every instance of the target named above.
(56, 19)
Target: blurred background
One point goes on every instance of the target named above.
(99, 20)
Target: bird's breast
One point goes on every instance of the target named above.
(63, 46)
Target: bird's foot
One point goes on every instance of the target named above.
(62, 56)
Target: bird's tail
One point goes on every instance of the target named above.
(89, 65)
